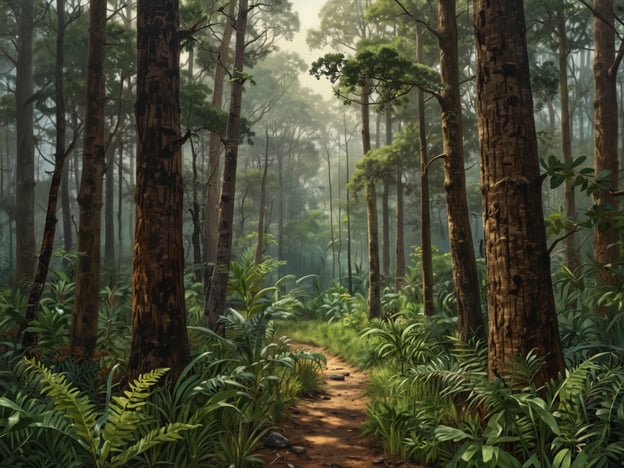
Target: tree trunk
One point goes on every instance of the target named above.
(260, 230)
(399, 266)
(606, 251)
(214, 148)
(109, 212)
(521, 306)
(159, 336)
(374, 294)
(217, 296)
(425, 209)
(348, 210)
(25, 172)
(196, 238)
(465, 275)
(83, 333)
(570, 242)
(47, 241)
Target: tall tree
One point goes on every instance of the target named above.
(606, 64)
(465, 274)
(83, 333)
(25, 174)
(215, 146)
(216, 301)
(49, 231)
(159, 337)
(521, 306)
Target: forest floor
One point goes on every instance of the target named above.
(326, 430)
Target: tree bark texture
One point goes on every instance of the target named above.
(606, 234)
(83, 333)
(467, 286)
(521, 306)
(217, 296)
(159, 336)
(25, 171)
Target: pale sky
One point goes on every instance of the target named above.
(308, 17)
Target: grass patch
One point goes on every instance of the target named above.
(337, 338)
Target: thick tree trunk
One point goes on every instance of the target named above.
(83, 333)
(25, 172)
(159, 336)
(47, 241)
(217, 296)
(465, 274)
(521, 306)
(606, 251)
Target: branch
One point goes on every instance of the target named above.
(568, 234)
(439, 156)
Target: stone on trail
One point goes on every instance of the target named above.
(336, 377)
(275, 440)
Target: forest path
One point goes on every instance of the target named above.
(327, 428)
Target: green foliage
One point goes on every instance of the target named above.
(90, 438)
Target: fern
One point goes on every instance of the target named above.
(116, 443)
(123, 416)
(165, 434)
(67, 400)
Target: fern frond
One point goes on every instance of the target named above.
(77, 408)
(165, 434)
(123, 411)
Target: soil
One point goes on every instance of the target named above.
(326, 430)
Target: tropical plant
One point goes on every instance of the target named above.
(109, 438)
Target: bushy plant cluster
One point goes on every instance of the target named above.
(56, 412)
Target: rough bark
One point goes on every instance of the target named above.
(217, 296)
(521, 306)
(83, 333)
(159, 336)
(467, 286)
(606, 251)
(25, 171)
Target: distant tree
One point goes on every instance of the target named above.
(521, 305)
(83, 333)
(159, 336)
(49, 231)
(25, 174)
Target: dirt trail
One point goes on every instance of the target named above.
(328, 427)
